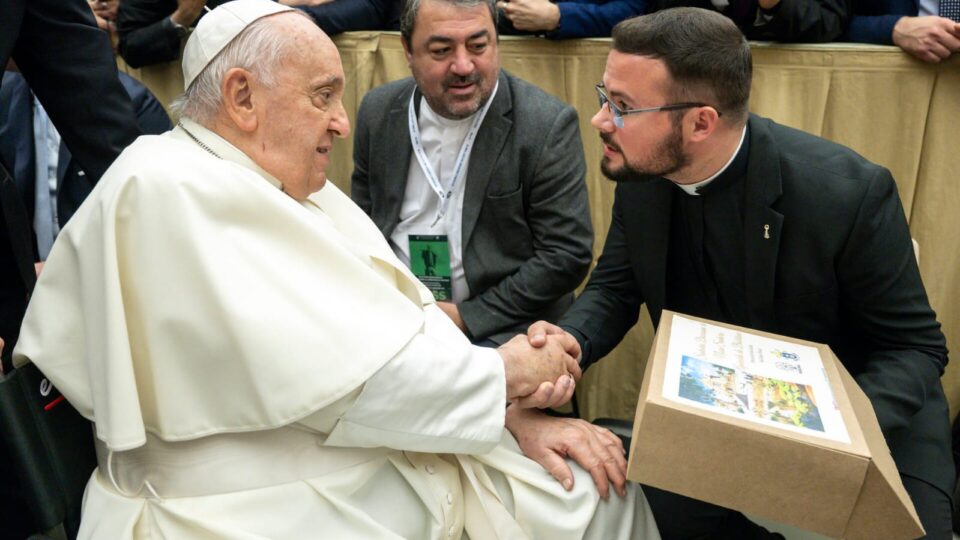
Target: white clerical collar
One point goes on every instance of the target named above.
(693, 189)
(221, 148)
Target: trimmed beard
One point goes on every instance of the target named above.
(669, 158)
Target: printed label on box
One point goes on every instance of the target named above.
(772, 382)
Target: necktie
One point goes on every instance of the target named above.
(950, 9)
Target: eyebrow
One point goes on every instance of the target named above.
(329, 80)
(471, 37)
(616, 94)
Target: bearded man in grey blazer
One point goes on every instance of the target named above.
(480, 167)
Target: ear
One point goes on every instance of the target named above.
(407, 52)
(700, 123)
(237, 91)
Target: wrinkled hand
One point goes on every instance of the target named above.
(548, 440)
(929, 38)
(550, 394)
(531, 15)
(528, 369)
(188, 11)
(537, 335)
(453, 312)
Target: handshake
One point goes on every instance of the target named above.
(541, 367)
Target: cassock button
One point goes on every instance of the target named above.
(452, 532)
(449, 498)
(430, 469)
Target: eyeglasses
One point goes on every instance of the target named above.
(619, 113)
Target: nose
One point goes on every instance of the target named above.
(462, 63)
(340, 122)
(603, 120)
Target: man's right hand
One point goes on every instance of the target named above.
(527, 368)
(928, 38)
(538, 332)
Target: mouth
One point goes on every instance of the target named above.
(609, 147)
(462, 85)
(323, 150)
(461, 89)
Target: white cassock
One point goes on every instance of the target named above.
(257, 367)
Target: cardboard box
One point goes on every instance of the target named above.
(768, 425)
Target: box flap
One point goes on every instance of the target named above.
(884, 509)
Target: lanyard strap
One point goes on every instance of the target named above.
(445, 194)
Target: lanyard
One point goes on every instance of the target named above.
(462, 156)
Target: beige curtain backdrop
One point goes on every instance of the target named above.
(894, 110)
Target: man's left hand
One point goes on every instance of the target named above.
(548, 440)
(451, 310)
(531, 15)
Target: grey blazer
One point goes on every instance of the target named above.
(527, 235)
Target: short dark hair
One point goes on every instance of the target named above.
(408, 16)
(707, 56)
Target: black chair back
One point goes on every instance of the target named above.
(51, 447)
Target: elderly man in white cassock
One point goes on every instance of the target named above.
(256, 361)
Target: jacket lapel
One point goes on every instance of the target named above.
(63, 163)
(762, 225)
(488, 144)
(16, 134)
(397, 151)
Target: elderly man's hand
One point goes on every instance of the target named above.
(548, 440)
(528, 369)
(929, 38)
(531, 15)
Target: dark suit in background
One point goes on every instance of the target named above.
(873, 20)
(17, 149)
(69, 64)
(835, 266)
(341, 16)
(526, 230)
(584, 18)
(800, 21)
(146, 34)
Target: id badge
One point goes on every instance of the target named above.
(430, 262)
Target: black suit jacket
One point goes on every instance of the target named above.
(527, 236)
(68, 62)
(146, 36)
(17, 146)
(838, 268)
(801, 21)
(341, 16)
